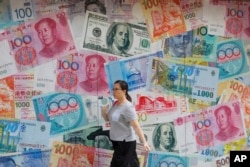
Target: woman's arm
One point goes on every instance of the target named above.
(104, 113)
(139, 132)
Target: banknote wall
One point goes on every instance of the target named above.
(186, 63)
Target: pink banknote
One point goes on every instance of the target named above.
(39, 41)
(219, 124)
(83, 73)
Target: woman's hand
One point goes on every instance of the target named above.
(104, 112)
(146, 146)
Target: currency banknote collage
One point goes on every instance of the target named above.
(186, 63)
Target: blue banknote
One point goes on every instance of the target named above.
(167, 159)
(133, 70)
(199, 82)
(27, 159)
(231, 58)
(9, 133)
(65, 111)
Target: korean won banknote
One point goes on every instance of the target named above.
(30, 45)
(199, 82)
(65, 111)
(132, 70)
(100, 35)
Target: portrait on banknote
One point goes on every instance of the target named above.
(180, 46)
(95, 6)
(119, 39)
(164, 137)
(225, 125)
(47, 33)
(94, 83)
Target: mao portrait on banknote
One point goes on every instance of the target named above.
(40, 41)
(219, 124)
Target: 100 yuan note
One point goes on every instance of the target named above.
(210, 130)
(28, 45)
(65, 111)
(197, 81)
(99, 36)
(163, 18)
(75, 74)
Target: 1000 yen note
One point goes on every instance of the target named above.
(121, 39)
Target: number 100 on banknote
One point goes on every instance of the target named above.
(199, 82)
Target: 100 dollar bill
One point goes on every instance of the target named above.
(99, 35)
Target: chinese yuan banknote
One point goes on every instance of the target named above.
(7, 66)
(65, 154)
(7, 101)
(236, 21)
(199, 82)
(218, 124)
(133, 70)
(30, 45)
(25, 159)
(191, 46)
(64, 111)
(163, 18)
(152, 107)
(83, 73)
(99, 36)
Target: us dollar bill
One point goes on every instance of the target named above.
(100, 35)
